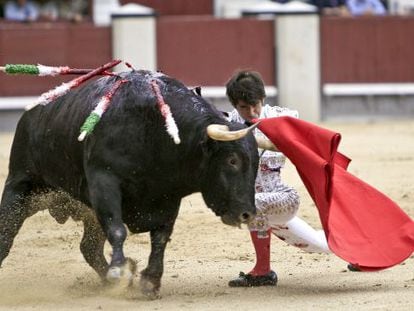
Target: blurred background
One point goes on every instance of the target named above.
(330, 59)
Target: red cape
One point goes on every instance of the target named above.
(362, 225)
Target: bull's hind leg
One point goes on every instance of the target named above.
(105, 196)
(92, 245)
(13, 212)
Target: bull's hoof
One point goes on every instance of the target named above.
(122, 274)
(149, 289)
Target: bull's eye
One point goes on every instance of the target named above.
(234, 162)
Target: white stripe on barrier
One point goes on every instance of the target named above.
(329, 89)
(220, 91)
(16, 102)
(361, 89)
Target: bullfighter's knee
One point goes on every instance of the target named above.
(281, 207)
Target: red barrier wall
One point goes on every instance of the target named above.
(207, 51)
(367, 49)
(201, 50)
(177, 7)
(54, 44)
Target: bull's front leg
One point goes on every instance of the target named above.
(151, 276)
(150, 282)
(106, 199)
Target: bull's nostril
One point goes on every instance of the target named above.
(245, 217)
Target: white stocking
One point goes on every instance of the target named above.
(298, 233)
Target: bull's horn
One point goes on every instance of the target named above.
(265, 144)
(222, 132)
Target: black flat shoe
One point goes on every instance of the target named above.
(353, 268)
(248, 280)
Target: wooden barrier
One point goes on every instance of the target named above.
(55, 44)
(368, 49)
(202, 50)
(207, 51)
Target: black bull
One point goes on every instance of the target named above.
(128, 171)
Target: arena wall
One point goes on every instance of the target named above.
(177, 7)
(367, 50)
(372, 55)
(205, 50)
(54, 44)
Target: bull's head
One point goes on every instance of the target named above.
(230, 173)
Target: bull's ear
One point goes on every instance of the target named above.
(207, 147)
(225, 114)
(197, 90)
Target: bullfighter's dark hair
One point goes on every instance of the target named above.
(247, 86)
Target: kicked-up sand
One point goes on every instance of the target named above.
(46, 271)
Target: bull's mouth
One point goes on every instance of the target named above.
(228, 220)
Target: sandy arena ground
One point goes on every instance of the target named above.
(45, 270)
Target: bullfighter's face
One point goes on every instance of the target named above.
(249, 111)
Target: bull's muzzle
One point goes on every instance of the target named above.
(243, 218)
